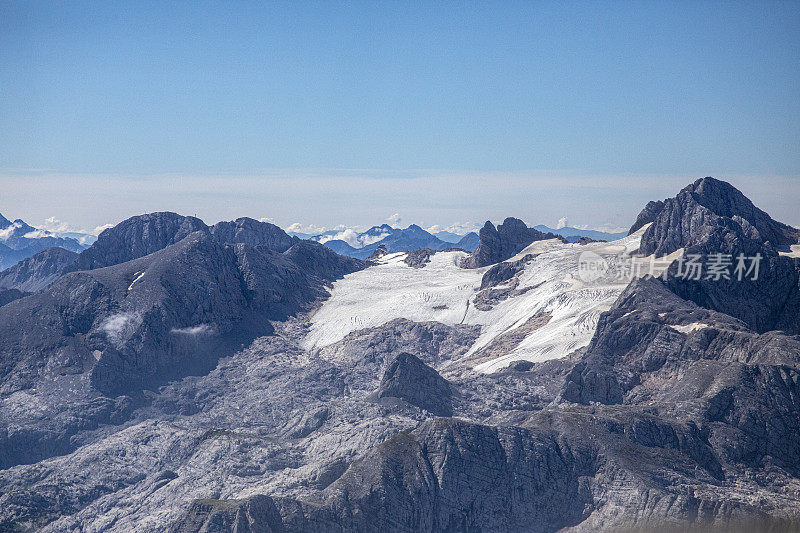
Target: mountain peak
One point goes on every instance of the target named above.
(375, 231)
(416, 229)
(136, 237)
(253, 232)
(500, 243)
(678, 222)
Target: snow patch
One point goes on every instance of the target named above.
(444, 292)
(137, 278)
(201, 329)
(794, 251)
(690, 328)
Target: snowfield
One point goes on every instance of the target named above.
(550, 286)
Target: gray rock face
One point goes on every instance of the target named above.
(502, 272)
(253, 233)
(411, 380)
(9, 295)
(38, 271)
(256, 514)
(379, 252)
(699, 366)
(137, 237)
(647, 215)
(468, 242)
(498, 244)
(418, 258)
(712, 217)
(699, 211)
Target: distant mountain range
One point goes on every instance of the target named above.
(573, 234)
(362, 245)
(393, 239)
(19, 240)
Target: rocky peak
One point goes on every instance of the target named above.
(379, 252)
(689, 217)
(648, 214)
(253, 232)
(374, 231)
(468, 242)
(408, 378)
(137, 237)
(711, 217)
(498, 244)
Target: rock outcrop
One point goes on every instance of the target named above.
(503, 242)
(419, 258)
(504, 271)
(379, 252)
(411, 380)
(253, 233)
(256, 514)
(706, 210)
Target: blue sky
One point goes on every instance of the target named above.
(209, 107)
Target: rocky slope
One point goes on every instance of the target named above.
(107, 334)
(38, 271)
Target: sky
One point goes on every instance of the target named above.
(443, 113)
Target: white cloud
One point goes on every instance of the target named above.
(6, 233)
(458, 228)
(267, 219)
(37, 234)
(366, 240)
(201, 329)
(562, 223)
(53, 225)
(59, 227)
(116, 326)
(352, 237)
(395, 219)
(56, 227)
(310, 229)
(604, 228)
(99, 229)
(348, 235)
